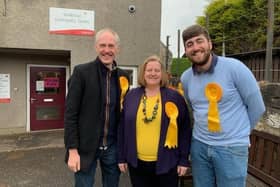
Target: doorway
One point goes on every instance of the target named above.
(47, 90)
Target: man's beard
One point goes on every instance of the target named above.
(204, 61)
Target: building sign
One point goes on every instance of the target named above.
(71, 21)
(5, 88)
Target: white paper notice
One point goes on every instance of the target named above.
(5, 96)
(40, 86)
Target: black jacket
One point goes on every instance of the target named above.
(84, 112)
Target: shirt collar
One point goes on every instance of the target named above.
(104, 68)
(212, 66)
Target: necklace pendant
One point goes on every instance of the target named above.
(146, 120)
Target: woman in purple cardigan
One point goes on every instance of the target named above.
(154, 131)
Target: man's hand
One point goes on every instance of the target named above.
(123, 167)
(74, 162)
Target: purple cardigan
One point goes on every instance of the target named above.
(167, 158)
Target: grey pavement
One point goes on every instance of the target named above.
(37, 160)
(31, 141)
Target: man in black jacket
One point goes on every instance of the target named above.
(95, 92)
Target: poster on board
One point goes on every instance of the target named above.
(5, 96)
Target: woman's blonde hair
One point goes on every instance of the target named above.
(142, 68)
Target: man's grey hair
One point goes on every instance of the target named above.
(100, 32)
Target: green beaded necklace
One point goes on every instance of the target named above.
(154, 114)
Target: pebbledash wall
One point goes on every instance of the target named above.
(25, 40)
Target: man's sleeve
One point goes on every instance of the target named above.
(251, 94)
(72, 107)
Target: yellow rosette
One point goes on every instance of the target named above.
(124, 84)
(213, 93)
(180, 88)
(172, 112)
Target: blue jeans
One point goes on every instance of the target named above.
(221, 166)
(109, 168)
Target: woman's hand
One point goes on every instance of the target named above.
(123, 167)
(182, 170)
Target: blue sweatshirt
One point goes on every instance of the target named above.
(240, 107)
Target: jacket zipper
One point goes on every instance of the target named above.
(107, 108)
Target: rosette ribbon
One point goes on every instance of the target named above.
(124, 87)
(172, 112)
(213, 93)
(180, 88)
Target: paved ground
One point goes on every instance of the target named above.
(31, 141)
(36, 160)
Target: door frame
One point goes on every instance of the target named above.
(67, 69)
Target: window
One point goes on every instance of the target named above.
(132, 71)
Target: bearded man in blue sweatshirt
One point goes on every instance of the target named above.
(227, 104)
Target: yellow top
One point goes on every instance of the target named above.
(148, 134)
